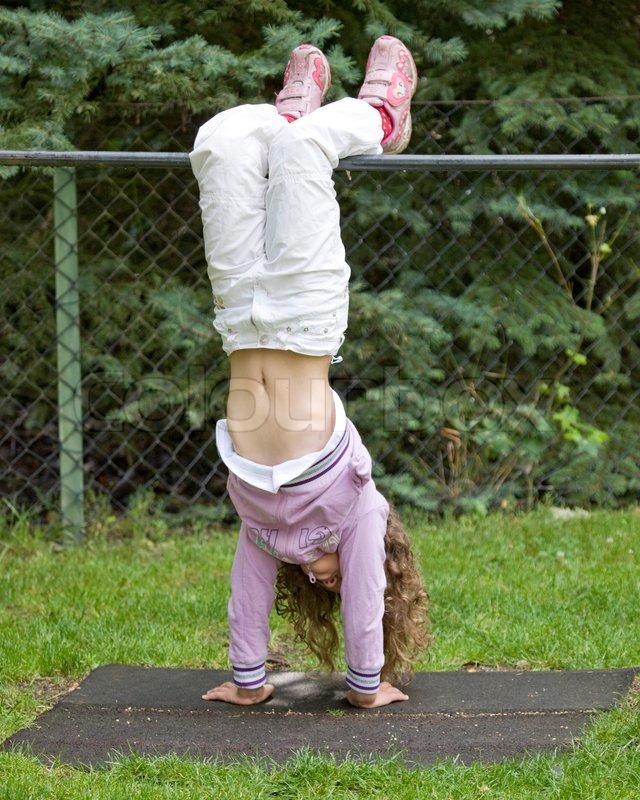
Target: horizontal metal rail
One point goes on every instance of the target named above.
(452, 163)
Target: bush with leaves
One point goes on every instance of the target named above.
(492, 354)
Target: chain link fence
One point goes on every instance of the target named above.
(492, 357)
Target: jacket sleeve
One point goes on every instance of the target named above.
(253, 577)
(362, 557)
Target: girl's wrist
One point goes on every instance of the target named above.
(361, 699)
(251, 694)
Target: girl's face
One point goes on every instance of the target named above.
(326, 571)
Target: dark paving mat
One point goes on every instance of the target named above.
(484, 716)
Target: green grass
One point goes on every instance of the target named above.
(525, 591)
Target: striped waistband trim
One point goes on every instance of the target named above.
(324, 465)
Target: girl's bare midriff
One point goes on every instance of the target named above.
(280, 404)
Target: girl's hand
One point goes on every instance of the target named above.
(229, 693)
(385, 695)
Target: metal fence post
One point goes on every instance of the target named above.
(68, 346)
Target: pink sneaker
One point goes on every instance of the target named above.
(307, 78)
(389, 84)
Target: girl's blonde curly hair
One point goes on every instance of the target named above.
(312, 610)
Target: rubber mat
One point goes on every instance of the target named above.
(487, 716)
